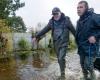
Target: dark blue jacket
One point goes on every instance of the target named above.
(88, 25)
(60, 30)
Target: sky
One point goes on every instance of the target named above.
(39, 11)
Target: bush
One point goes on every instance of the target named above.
(3, 26)
(23, 44)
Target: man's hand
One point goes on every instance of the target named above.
(92, 39)
(35, 43)
(34, 40)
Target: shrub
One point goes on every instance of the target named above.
(24, 44)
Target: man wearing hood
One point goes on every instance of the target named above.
(87, 38)
(60, 26)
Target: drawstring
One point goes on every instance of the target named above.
(91, 54)
(98, 53)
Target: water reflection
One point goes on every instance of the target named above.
(17, 69)
(8, 70)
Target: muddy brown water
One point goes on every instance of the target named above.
(15, 68)
(8, 70)
(30, 69)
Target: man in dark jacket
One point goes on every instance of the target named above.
(87, 38)
(60, 26)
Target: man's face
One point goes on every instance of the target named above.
(57, 16)
(81, 8)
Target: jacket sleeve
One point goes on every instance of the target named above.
(71, 27)
(40, 34)
(96, 28)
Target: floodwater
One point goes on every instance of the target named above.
(14, 68)
(8, 69)
(39, 69)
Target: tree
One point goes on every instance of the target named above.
(9, 7)
(8, 10)
(17, 24)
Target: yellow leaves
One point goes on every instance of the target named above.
(9, 43)
(5, 32)
(3, 27)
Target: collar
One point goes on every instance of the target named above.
(85, 15)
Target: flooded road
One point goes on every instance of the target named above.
(17, 69)
(27, 69)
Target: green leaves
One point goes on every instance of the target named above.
(9, 7)
(17, 24)
(23, 44)
(7, 12)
